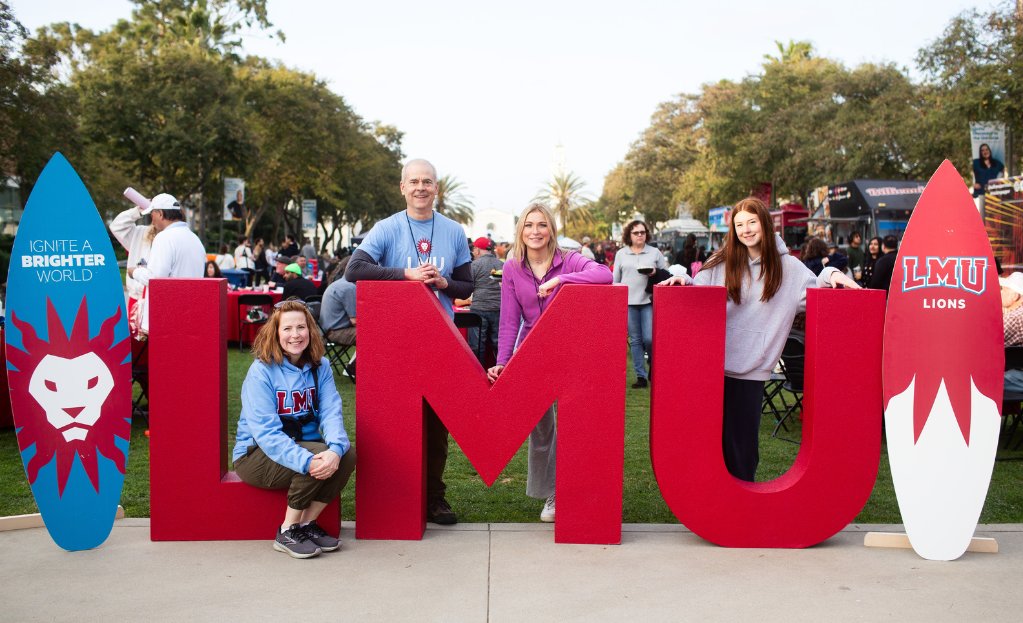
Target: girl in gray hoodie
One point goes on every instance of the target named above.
(766, 288)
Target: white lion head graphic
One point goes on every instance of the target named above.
(72, 392)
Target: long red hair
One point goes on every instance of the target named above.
(735, 256)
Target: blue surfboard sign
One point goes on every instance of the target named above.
(69, 359)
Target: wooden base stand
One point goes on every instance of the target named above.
(983, 545)
(35, 520)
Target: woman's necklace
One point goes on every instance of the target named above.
(539, 279)
(425, 245)
(543, 266)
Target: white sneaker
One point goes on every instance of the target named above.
(547, 514)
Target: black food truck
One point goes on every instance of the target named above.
(871, 207)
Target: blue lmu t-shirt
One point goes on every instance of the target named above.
(400, 241)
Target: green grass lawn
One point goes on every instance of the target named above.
(506, 500)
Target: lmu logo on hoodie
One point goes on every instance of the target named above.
(300, 401)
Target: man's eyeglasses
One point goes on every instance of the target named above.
(638, 232)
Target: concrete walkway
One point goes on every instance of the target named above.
(504, 572)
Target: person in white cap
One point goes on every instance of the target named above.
(176, 251)
(137, 241)
(1012, 323)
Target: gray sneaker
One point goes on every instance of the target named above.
(319, 536)
(296, 543)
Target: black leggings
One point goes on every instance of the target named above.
(740, 437)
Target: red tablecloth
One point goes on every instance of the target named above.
(232, 315)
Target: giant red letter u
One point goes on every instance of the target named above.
(835, 469)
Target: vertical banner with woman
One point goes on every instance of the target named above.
(234, 199)
(987, 144)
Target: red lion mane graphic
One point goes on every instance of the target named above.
(31, 418)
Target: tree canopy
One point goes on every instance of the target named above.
(163, 101)
(803, 121)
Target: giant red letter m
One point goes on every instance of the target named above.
(410, 352)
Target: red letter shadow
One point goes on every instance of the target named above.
(836, 467)
(192, 495)
(409, 350)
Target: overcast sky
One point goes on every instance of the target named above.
(488, 93)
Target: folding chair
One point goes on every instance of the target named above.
(314, 309)
(340, 356)
(471, 321)
(774, 392)
(793, 358)
(247, 304)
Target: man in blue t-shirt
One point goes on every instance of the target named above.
(418, 244)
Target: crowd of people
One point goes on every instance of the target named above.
(299, 443)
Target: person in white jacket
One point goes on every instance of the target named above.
(137, 240)
(243, 258)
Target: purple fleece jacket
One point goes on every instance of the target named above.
(520, 301)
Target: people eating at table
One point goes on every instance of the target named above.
(281, 262)
(295, 285)
(212, 270)
(337, 312)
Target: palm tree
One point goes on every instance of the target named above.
(564, 194)
(790, 52)
(451, 202)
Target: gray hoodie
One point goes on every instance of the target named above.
(755, 331)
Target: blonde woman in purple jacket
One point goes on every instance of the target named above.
(529, 283)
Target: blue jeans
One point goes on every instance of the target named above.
(641, 330)
(489, 328)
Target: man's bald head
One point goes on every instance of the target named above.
(414, 163)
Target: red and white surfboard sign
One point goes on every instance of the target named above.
(942, 369)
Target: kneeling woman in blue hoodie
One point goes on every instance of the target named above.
(766, 288)
(290, 433)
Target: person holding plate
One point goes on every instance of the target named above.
(634, 264)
